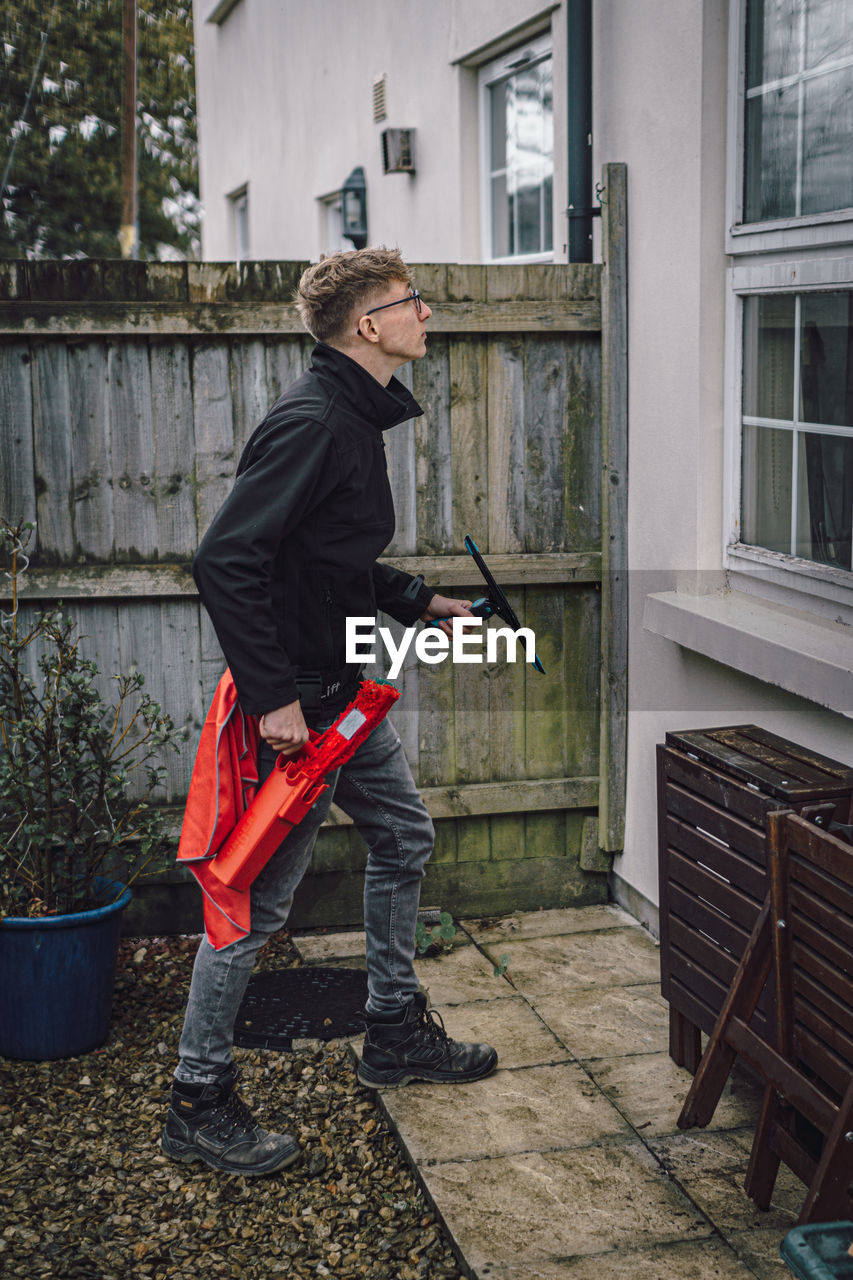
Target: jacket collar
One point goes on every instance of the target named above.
(383, 407)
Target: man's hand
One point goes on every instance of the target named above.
(285, 729)
(445, 607)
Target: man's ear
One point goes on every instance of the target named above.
(367, 329)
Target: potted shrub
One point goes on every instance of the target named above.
(77, 826)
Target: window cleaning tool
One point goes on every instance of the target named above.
(495, 602)
(295, 785)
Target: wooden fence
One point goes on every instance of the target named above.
(128, 391)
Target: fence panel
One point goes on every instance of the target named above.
(127, 396)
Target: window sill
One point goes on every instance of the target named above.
(791, 582)
(797, 652)
(787, 234)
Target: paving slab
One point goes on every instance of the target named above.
(759, 1249)
(568, 1162)
(317, 948)
(603, 1022)
(711, 1167)
(649, 1090)
(552, 966)
(520, 1036)
(710, 1260)
(460, 976)
(510, 1112)
(537, 1207)
(548, 924)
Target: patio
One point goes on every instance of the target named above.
(568, 1160)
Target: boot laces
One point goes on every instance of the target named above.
(431, 1024)
(232, 1116)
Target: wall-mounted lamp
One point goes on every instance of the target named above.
(354, 208)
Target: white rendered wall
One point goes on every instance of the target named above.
(285, 106)
(660, 84)
(649, 71)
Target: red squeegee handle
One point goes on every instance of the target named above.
(316, 738)
(326, 751)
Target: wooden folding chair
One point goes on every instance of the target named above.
(805, 934)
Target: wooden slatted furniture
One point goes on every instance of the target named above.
(715, 789)
(804, 934)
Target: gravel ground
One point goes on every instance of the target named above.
(86, 1192)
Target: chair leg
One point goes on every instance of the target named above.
(763, 1161)
(827, 1197)
(685, 1041)
(718, 1058)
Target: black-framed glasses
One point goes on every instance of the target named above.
(413, 296)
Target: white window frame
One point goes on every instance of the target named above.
(539, 47)
(787, 256)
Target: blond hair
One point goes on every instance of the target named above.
(331, 292)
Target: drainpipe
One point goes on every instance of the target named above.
(580, 211)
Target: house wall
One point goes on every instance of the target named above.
(665, 91)
(660, 98)
(296, 126)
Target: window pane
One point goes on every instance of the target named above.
(812, 491)
(771, 155)
(828, 142)
(829, 32)
(528, 204)
(497, 95)
(798, 157)
(768, 357)
(521, 161)
(825, 499)
(826, 359)
(524, 116)
(772, 40)
(766, 488)
(501, 218)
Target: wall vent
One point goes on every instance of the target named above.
(380, 96)
(398, 150)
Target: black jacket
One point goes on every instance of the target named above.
(292, 551)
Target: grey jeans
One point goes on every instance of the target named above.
(377, 790)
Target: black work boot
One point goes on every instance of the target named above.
(417, 1047)
(209, 1122)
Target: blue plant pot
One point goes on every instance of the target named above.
(58, 974)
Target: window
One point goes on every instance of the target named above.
(332, 239)
(240, 223)
(799, 108)
(790, 328)
(517, 134)
(797, 471)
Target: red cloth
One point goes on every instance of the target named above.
(223, 785)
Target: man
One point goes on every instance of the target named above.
(290, 555)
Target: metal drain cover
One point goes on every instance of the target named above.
(306, 1003)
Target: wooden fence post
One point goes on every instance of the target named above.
(614, 509)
